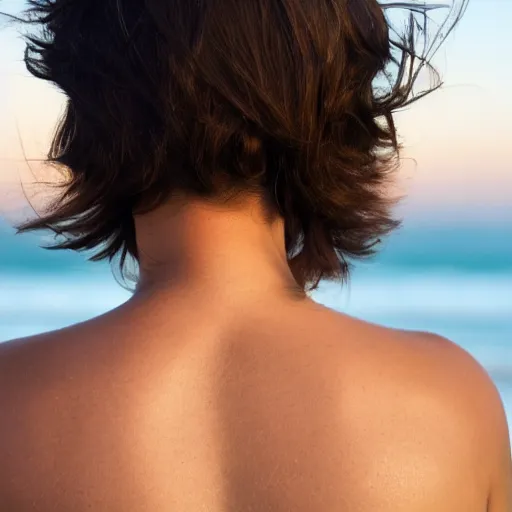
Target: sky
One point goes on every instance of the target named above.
(457, 141)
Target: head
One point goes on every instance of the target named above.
(214, 98)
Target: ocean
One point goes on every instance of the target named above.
(454, 280)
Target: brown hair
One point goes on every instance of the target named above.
(291, 98)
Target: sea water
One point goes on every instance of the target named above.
(452, 280)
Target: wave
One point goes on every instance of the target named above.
(435, 293)
(60, 295)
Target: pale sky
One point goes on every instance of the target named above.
(460, 136)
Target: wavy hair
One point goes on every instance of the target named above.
(293, 99)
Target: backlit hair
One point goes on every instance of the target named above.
(290, 98)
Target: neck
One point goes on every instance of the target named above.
(231, 247)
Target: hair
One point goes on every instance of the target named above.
(293, 99)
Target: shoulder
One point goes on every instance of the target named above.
(413, 410)
(34, 368)
(27, 380)
(422, 364)
(28, 368)
(437, 379)
(419, 361)
(43, 379)
(453, 377)
(20, 358)
(393, 367)
(75, 359)
(429, 392)
(24, 358)
(464, 401)
(434, 371)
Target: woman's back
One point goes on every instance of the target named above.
(239, 152)
(182, 404)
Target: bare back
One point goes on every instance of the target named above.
(277, 408)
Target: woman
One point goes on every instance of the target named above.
(239, 151)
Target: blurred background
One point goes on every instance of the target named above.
(447, 270)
